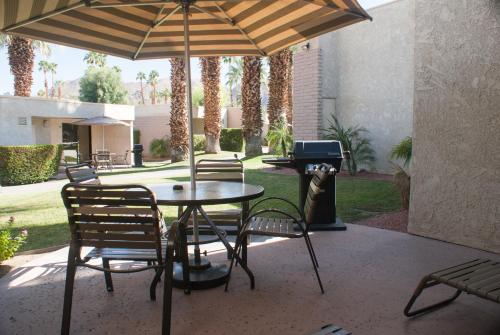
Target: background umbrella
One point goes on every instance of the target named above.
(174, 28)
(101, 121)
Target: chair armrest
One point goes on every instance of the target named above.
(301, 215)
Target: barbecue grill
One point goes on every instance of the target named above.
(304, 158)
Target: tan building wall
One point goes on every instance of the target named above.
(455, 187)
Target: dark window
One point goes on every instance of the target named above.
(70, 132)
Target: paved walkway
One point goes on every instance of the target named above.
(113, 179)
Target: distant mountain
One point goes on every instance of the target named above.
(70, 90)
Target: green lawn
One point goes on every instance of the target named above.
(44, 216)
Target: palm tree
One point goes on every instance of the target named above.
(141, 76)
(251, 115)
(277, 85)
(288, 96)
(210, 76)
(44, 66)
(165, 94)
(233, 76)
(59, 84)
(53, 71)
(179, 142)
(153, 81)
(22, 60)
(93, 58)
(280, 137)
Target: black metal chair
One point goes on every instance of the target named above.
(289, 226)
(83, 173)
(120, 222)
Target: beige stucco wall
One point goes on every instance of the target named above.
(456, 154)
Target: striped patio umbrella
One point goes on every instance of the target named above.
(149, 29)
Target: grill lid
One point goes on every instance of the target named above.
(317, 149)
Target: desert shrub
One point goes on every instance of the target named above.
(160, 147)
(231, 139)
(199, 142)
(137, 136)
(354, 141)
(10, 244)
(280, 138)
(29, 164)
(403, 151)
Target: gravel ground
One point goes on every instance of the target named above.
(397, 221)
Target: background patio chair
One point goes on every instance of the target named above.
(480, 277)
(98, 219)
(83, 173)
(290, 226)
(103, 159)
(121, 159)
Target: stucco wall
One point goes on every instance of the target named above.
(456, 154)
(370, 68)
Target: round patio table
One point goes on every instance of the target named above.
(202, 273)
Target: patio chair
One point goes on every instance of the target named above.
(289, 226)
(103, 159)
(222, 170)
(480, 277)
(121, 159)
(83, 173)
(101, 217)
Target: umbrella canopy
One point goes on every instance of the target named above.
(101, 121)
(155, 29)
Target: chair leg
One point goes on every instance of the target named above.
(107, 275)
(167, 298)
(235, 252)
(427, 282)
(184, 258)
(308, 241)
(68, 292)
(314, 266)
(156, 279)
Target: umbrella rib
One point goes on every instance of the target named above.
(49, 14)
(234, 24)
(155, 24)
(131, 4)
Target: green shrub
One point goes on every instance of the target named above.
(231, 139)
(160, 147)
(280, 138)
(29, 164)
(137, 136)
(199, 142)
(9, 244)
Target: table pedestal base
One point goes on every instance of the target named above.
(215, 275)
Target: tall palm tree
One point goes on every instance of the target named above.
(233, 76)
(288, 96)
(141, 76)
(93, 58)
(179, 141)
(165, 94)
(251, 115)
(277, 85)
(153, 82)
(210, 76)
(53, 71)
(44, 66)
(22, 60)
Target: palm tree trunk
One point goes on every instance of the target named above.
(142, 93)
(178, 118)
(53, 90)
(21, 61)
(277, 85)
(46, 84)
(288, 103)
(251, 116)
(210, 75)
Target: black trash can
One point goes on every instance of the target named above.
(138, 149)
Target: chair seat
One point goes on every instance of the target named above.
(273, 227)
(127, 254)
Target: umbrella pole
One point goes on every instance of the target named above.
(189, 105)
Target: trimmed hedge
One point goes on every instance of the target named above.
(231, 139)
(27, 164)
(199, 142)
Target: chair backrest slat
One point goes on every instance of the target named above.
(99, 216)
(219, 170)
(316, 189)
(83, 173)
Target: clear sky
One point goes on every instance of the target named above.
(71, 65)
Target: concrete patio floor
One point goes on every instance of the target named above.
(368, 275)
